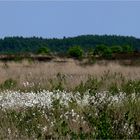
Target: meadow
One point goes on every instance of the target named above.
(69, 99)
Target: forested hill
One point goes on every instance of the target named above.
(22, 45)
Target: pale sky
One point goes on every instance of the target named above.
(69, 18)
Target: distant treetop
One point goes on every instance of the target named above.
(86, 42)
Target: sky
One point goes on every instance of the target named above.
(57, 19)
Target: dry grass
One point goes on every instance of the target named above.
(74, 72)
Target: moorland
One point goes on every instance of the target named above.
(85, 87)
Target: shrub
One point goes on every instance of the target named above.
(116, 49)
(107, 53)
(8, 84)
(43, 50)
(75, 52)
(127, 49)
(103, 51)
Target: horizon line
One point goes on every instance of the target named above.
(35, 36)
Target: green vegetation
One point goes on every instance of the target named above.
(97, 120)
(100, 107)
(111, 122)
(75, 52)
(116, 49)
(103, 51)
(43, 50)
(127, 49)
(90, 46)
(8, 84)
(22, 45)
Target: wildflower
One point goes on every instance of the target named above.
(45, 129)
(9, 131)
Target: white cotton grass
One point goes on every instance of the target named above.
(45, 98)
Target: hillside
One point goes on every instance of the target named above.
(32, 44)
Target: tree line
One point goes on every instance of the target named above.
(106, 43)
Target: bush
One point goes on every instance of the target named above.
(116, 49)
(107, 53)
(43, 50)
(8, 84)
(127, 49)
(75, 52)
(103, 51)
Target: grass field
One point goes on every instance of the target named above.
(69, 100)
(69, 73)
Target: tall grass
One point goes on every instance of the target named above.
(71, 73)
(67, 101)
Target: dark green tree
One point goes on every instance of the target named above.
(107, 53)
(43, 51)
(116, 49)
(127, 49)
(16, 45)
(103, 51)
(76, 52)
